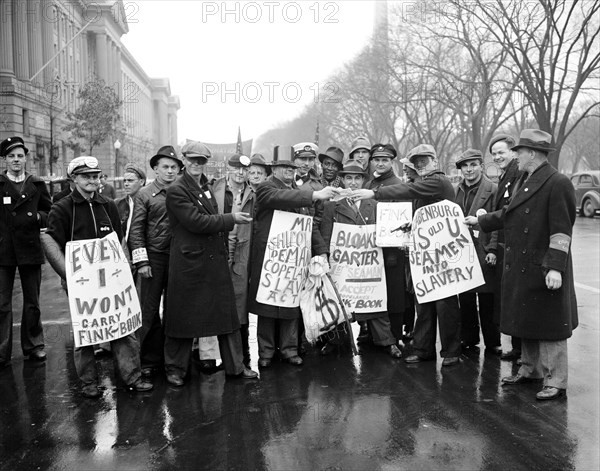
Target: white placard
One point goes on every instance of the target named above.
(443, 261)
(286, 260)
(357, 268)
(102, 297)
(390, 219)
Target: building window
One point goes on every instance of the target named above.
(25, 122)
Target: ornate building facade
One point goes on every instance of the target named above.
(48, 50)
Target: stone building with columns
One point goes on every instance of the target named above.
(48, 50)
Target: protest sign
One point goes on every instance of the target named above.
(391, 217)
(286, 259)
(443, 261)
(102, 297)
(357, 268)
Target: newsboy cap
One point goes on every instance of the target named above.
(510, 141)
(305, 149)
(10, 143)
(165, 151)
(469, 154)
(383, 150)
(421, 149)
(535, 139)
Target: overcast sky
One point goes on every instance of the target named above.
(252, 64)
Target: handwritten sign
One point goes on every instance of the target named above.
(102, 297)
(443, 261)
(391, 217)
(286, 259)
(357, 268)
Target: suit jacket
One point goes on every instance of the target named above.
(538, 225)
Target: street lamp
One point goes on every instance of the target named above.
(117, 146)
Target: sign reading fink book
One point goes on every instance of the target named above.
(443, 261)
(102, 297)
(287, 255)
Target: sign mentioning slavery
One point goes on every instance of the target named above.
(357, 268)
(391, 217)
(443, 261)
(102, 296)
(286, 259)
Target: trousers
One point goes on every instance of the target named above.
(445, 312)
(546, 359)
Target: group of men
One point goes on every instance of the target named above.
(197, 246)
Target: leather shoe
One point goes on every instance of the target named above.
(493, 351)
(549, 393)
(174, 380)
(511, 355)
(37, 355)
(518, 379)
(393, 351)
(414, 359)
(449, 361)
(91, 391)
(247, 374)
(264, 362)
(295, 360)
(141, 386)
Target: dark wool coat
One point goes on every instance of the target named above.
(19, 225)
(341, 212)
(485, 242)
(200, 298)
(271, 195)
(538, 225)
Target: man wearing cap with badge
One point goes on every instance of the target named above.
(432, 187)
(24, 210)
(361, 152)
(475, 195)
(346, 211)
(394, 258)
(201, 301)
(280, 192)
(240, 242)
(150, 241)
(505, 159)
(85, 214)
(331, 161)
(538, 295)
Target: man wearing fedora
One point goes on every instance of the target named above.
(280, 192)
(82, 215)
(505, 159)
(149, 241)
(538, 295)
(240, 241)
(433, 186)
(346, 211)
(474, 194)
(24, 210)
(331, 162)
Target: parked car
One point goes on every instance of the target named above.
(587, 192)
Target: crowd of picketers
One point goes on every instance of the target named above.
(196, 248)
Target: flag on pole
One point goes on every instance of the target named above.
(238, 146)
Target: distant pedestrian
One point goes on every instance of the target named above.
(24, 210)
(106, 189)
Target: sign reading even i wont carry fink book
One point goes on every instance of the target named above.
(102, 297)
(443, 261)
(287, 256)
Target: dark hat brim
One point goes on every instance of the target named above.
(12, 146)
(322, 157)
(154, 160)
(532, 145)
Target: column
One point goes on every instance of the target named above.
(34, 28)
(20, 44)
(118, 72)
(6, 38)
(102, 56)
(48, 25)
(163, 126)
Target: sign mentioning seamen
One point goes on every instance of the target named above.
(443, 261)
(102, 297)
(285, 265)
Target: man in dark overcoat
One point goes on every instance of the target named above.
(279, 192)
(474, 194)
(24, 210)
(504, 158)
(200, 299)
(538, 293)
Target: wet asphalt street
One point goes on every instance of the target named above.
(368, 412)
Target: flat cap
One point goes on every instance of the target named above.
(469, 154)
(421, 149)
